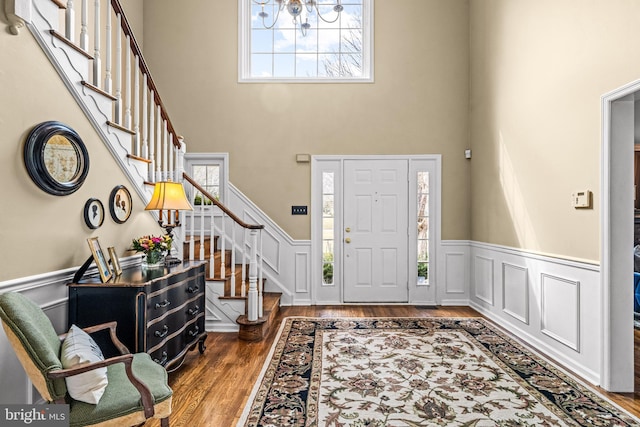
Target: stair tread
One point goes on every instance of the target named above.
(268, 298)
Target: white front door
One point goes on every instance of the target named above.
(375, 242)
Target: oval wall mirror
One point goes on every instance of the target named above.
(56, 158)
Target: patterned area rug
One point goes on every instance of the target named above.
(415, 372)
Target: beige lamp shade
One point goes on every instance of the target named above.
(169, 195)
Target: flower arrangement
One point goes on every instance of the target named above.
(154, 248)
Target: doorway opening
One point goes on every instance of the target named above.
(617, 236)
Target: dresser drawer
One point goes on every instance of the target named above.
(167, 299)
(175, 342)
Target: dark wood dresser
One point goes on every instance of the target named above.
(160, 311)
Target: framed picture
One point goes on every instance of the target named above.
(115, 262)
(93, 213)
(99, 259)
(120, 204)
(56, 158)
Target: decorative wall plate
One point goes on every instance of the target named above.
(93, 213)
(56, 158)
(120, 204)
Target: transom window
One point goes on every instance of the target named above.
(276, 46)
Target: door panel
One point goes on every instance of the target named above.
(375, 244)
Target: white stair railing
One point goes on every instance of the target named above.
(208, 210)
(137, 107)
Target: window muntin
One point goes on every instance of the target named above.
(338, 51)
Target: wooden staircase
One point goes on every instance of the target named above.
(93, 49)
(255, 330)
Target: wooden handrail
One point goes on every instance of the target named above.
(222, 207)
(117, 7)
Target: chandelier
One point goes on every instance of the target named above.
(299, 10)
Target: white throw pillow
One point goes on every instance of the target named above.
(79, 348)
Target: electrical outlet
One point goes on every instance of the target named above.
(298, 210)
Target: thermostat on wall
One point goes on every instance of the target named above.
(581, 199)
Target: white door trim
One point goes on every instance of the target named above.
(616, 237)
(322, 294)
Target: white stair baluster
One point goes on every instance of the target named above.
(193, 221)
(202, 227)
(212, 235)
(152, 138)
(84, 34)
(243, 287)
(97, 63)
(172, 153)
(145, 113)
(158, 157)
(107, 51)
(118, 107)
(165, 150)
(127, 84)
(136, 107)
(70, 22)
(223, 247)
(233, 260)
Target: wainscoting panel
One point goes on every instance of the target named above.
(560, 310)
(453, 272)
(515, 292)
(483, 279)
(302, 272)
(551, 303)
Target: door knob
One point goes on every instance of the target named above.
(348, 229)
(347, 240)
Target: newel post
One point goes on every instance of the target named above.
(252, 297)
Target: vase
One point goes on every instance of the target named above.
(151, 260)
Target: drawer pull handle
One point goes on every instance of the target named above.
(194, 310)
(165, 331)
(192, 289)
(163, 304)
(194, 332)
(163, 360)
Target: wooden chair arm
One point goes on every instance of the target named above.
(127, 359)
(85, 367)
(112, 333)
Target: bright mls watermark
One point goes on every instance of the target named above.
(34, 415)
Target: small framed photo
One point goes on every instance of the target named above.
(120, 204)
(115, 262)
(99, 259)
(93, 213)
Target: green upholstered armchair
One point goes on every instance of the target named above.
(137, 386)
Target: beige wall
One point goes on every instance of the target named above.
(40, 232)
(134, 10)
(417, 105)
(538, 70)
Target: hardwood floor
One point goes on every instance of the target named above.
(212, 389)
